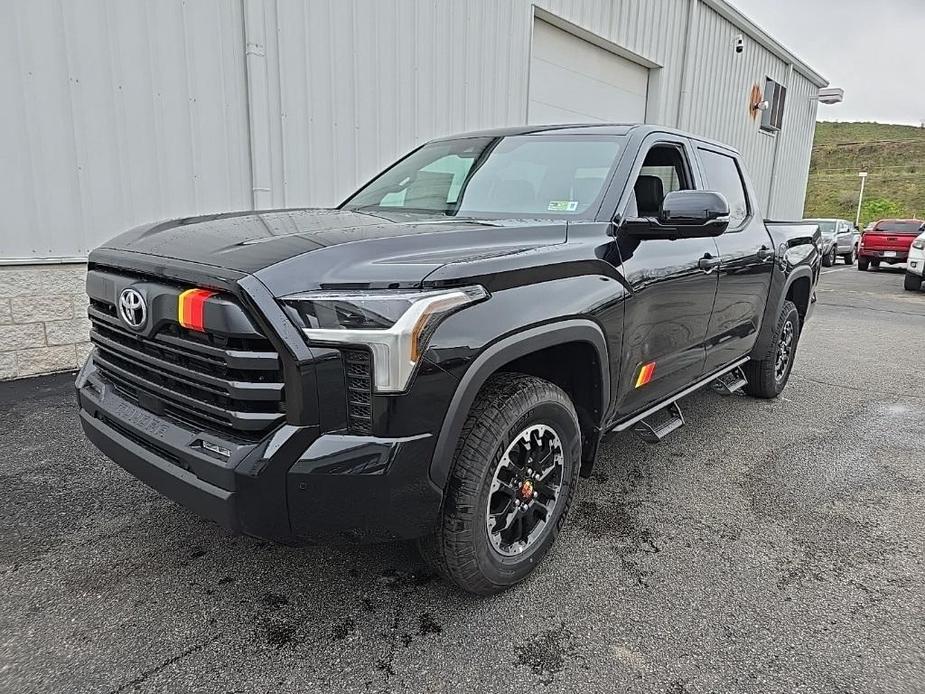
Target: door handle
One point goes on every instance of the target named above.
(765, 253)
(708, 263)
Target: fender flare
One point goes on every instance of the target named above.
(496, 355)
(772, 311)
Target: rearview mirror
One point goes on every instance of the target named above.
(685, 214)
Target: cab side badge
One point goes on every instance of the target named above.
(645, 374)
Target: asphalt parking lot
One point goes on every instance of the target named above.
(766, 547)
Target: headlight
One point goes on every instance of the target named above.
(394, 325)
(919, 244)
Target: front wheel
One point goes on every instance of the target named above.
(768, 375)
(513, 478)
(912, 282)
(828, 260)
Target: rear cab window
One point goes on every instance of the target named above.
(914, 227)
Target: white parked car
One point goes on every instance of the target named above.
(915, 264)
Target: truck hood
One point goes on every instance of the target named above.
(301, 249)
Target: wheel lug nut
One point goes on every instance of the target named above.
(535, 494)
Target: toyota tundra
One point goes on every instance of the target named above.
(440, 357)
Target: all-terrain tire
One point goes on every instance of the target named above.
(461, 549)
(863, 264)
(828, 260)
(765, 378)
(912, 282)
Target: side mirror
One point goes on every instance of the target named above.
(685, 214)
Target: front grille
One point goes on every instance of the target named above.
(358, 369)
(224, 384)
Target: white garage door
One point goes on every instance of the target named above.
(573, 81)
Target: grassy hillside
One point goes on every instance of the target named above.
(892, 155)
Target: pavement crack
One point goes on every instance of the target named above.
(859, 307)
(859, 389)
(164, 664)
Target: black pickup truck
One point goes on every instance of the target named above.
(439, 358)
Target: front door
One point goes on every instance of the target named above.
(747, 261)
(671, 291)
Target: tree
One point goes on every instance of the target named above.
(880, 208)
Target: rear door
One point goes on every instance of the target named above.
(746, 253)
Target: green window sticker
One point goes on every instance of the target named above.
(562, 206)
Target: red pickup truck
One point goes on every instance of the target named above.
(888, 241)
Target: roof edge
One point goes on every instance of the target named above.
(741, 21)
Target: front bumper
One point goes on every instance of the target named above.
(916, 262)
(293, 486)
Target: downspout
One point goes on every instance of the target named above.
(682, 118)
(258, 101)
(772, 186)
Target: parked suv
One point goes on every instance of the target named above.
(888, 242)
(440, 357)
(839, 239)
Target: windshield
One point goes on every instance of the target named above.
(518, 176)
(826, 227)
(900, 227)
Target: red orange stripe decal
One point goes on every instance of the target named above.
(190, 308)
(645, 374)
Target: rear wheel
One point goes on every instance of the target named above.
(768, 375)
(513, 478)
(912, 282)
(875, 264)
(863, 264)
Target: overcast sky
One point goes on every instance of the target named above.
(873, 49)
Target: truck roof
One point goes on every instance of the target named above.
(584, 129)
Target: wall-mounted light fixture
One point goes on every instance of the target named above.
(829, 96)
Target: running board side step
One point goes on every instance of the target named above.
(655, 427)
(730, 382)
(675, 418)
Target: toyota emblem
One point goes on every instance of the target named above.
(132, 308)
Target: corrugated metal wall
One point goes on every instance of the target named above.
(721, 110)
(119, 112)
(720, 94)
(788, 190)
(115, 113)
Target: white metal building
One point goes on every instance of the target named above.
(117, 112)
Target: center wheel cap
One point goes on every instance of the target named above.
(526, 490)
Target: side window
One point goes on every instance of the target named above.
(663, 171)
(723, 176)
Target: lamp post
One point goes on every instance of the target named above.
(857, 219)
